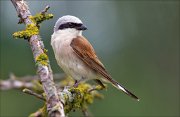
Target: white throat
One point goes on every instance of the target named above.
(66, 34)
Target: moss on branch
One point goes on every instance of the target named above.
(81, 97)
(40, 17)
(37, 86)
(31, 29)
(42, 59)
(75, 98)
(78, 98)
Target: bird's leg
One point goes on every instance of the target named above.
(76, 84)
(101, 84)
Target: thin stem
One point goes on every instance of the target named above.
(28, 91)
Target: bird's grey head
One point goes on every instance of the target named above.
(69, 22)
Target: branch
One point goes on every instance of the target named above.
(72, 98)
(54, 105)
(56, 77)
(13, 83)
(32, 82)
(29, 82)
(33, 93)
(45, 10)
(86, 113)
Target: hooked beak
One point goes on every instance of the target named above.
(82, 27)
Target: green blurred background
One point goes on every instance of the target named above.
(138, 41)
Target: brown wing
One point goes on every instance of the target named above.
(87, 54)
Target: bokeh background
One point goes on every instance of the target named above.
(138, 41)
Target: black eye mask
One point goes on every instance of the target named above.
(70, 25)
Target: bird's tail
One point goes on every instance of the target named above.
(120, 87)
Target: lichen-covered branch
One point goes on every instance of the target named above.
(72, 98)
(54, 105)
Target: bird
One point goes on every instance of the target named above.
(76, 56)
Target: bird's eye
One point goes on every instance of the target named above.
(70, 25)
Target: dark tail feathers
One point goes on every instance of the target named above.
(120, 87)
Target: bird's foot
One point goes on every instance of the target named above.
(98, 87)
(76, 84)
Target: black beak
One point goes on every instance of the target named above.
(82, 27)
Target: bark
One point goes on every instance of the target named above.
(54, 105)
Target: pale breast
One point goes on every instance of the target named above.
(70, 62)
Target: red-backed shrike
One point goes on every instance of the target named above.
(76, 56)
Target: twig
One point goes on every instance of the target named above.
(28, 91)
(13, 83)
(54, 106)
(85, 113)
(56, 77)
(45, 9)
(38, 113)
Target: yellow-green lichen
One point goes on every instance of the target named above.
(42, 59)
(45, 50)
(31, 29)
(37, 87)
(39, 18)
(81, 98)
(42, 112)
